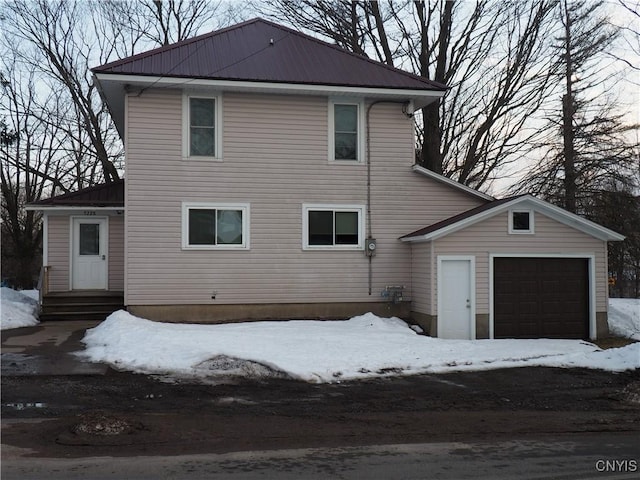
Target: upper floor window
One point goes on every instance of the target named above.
(339, 227)
(202, 121)
(215, 226)
(521, 221)
(345, 131)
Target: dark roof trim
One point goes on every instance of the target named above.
(457, 218)
(103, 195)
(477, 214)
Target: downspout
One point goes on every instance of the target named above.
(406, 107)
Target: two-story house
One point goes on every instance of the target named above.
(272, 175)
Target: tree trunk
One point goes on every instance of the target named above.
(568, 111)
(432, 157)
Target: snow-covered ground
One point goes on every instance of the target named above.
(18, 309)
(317, 351)
(624, 317)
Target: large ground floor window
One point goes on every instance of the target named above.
(333, 227)
(214, 226)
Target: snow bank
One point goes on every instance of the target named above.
(316, 351)
(18, 309)
(624, 317)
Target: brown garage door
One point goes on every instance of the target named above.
(541, 297)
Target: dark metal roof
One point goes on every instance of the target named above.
(262, 51)
(461, 216)
(103, 195)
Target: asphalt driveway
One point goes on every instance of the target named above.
(47, 349)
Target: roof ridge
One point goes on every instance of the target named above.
(288, 30)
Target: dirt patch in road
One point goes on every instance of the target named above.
(192, 418)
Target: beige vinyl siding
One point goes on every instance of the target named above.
(58, 252)
(421, 278)
(275, 159)
(116, 253)
(551, 237)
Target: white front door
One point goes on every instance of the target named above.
(456, 302)
(89, 253)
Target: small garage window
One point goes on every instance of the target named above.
(521, 221)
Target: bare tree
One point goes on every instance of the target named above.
(48, 37)
(141, 24)
(491, 54)
(19, 182)
(630, 31)
(589, 144)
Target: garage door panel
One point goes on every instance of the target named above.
(550, 286)
(541, 297)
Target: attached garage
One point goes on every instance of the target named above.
(534, 270)
(537, 297)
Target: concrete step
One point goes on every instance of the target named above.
(84, 305)
(83, 300)
(81, 307)
(79, 316)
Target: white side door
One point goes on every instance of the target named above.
(456, 298)
(89, 253)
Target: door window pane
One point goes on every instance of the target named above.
(202, 227)
(320, 227)
(346, 228)
(89, 239)
(229, 227)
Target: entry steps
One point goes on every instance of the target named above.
(80, 305)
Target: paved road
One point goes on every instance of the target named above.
(597, 456)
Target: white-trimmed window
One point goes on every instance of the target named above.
(202, 127)
(208, 226)
(346, 135)
(521, 221)
(333, 227)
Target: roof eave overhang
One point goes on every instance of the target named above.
(73, 208)
(557, 213)
(113, 87)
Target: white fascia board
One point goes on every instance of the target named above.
(178, 82)
(572, 220)
(451, 183)
(559, 214)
